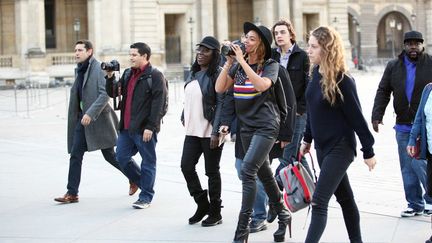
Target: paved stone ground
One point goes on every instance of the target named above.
(34, 167)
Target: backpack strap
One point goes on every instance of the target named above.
(150, 78)
(312, 162)
(308, 196)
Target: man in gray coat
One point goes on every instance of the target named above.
(91, 120)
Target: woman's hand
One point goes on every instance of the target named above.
(411, 150)
(238, 53)
(304, 148)
(371, 162)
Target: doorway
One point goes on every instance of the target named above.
(173, 38)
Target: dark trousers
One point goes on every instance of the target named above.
(256, 163)
(79, 147)
(333, 179)
(193, 147)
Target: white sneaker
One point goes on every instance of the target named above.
(409, 212)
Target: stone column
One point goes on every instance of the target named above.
(30, 24)
(205, 25)
(283, 10)
(368, 25)
(221, 9)
(125, 25)
(263, 9)
(30, 35)
(297, 18)
(339, 20)
(94, 16)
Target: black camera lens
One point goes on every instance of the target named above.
(114, 65)
(227, 51)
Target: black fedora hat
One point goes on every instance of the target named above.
(264, 33)
(210, 42)
(413, 35)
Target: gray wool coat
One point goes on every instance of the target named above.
(101, 133)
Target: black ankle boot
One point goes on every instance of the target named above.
(215, 216)
(242, 231)
(284, 217)
(202, 209)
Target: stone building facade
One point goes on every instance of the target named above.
(37, 36)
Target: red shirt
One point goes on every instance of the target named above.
(130, 88)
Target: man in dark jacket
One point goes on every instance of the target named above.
(141, 113)
(296, 61)
(91, 120)
(405, 77)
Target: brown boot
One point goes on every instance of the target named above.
(67, 198)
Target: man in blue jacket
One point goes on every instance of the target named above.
(405, 77)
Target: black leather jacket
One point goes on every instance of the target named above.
(212, 101)
(393, 81)
(298, 69)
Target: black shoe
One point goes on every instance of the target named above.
(203, 206)
(140, 204)
(212, 220)
(257, 226)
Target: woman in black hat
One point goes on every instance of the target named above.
(201, 122)
(252, 76)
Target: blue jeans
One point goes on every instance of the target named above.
(79, 147)
(127, 146)
(420, 168)
(411, 182)
(261, 200)
(291, 150)
(333, 179)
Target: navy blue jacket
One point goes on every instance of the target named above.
(327, 124)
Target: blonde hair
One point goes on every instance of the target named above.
(332, 66)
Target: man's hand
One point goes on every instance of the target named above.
(147, 135)
(85, 121)
(375, 125)
(214, 141)
(371, 162)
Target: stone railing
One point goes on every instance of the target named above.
(6, 61)
(62, 59)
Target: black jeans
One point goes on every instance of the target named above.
(256, 163)
(79, 147)
(333, 179)
(193, 147)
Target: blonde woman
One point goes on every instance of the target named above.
(257, 111)
(333, 105)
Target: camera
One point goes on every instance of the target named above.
(227, 51)
(114, 65)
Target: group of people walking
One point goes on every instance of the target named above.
(326, 111)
